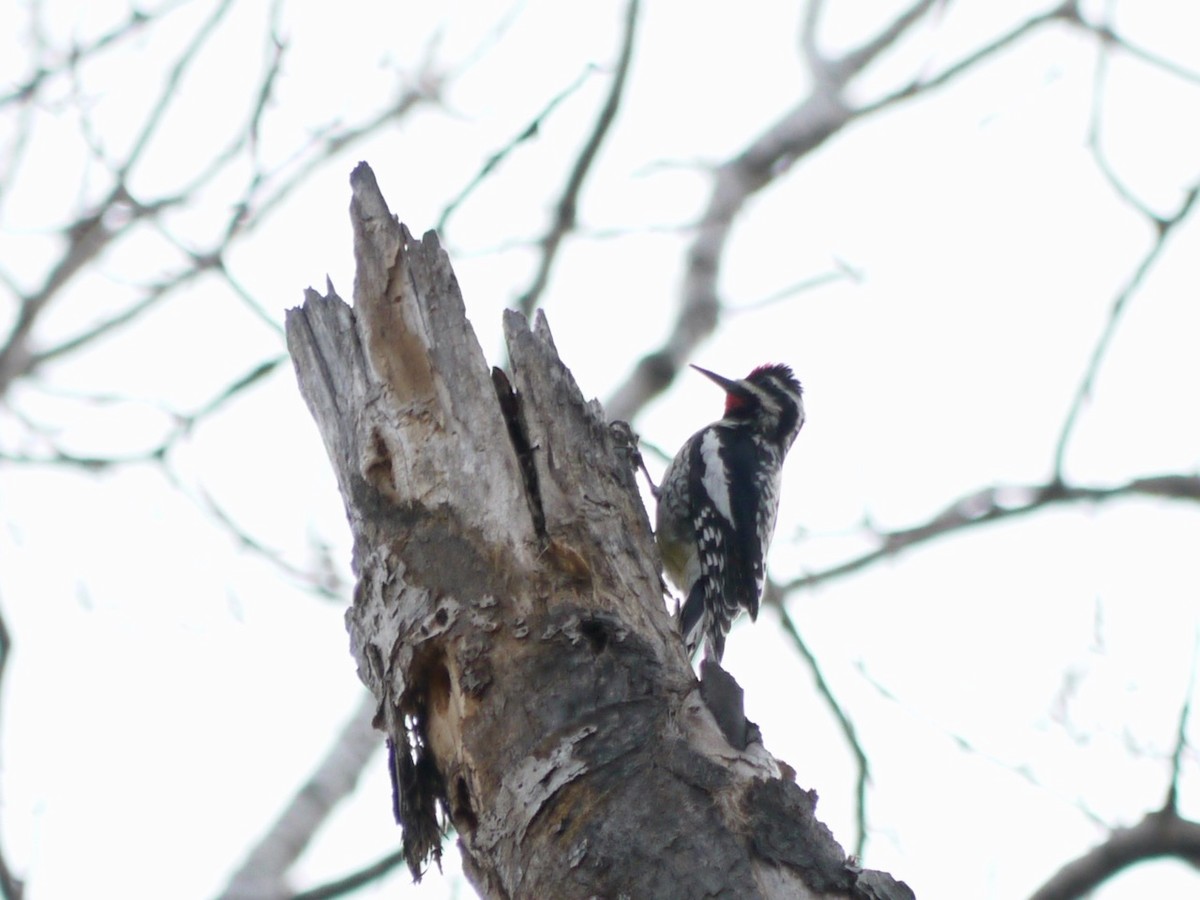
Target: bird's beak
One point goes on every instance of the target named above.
(731, 386)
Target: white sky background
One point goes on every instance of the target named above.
(169, 689)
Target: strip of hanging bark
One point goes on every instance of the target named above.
(529, 679)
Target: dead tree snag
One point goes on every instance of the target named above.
(508, 613)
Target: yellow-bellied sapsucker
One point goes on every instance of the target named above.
(718, 500)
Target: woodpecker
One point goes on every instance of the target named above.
(718, 500)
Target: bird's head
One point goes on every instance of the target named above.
(769, 399)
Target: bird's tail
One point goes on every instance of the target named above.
(692, 618)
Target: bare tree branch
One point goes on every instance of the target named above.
(768, 158)
(118, 212)
(1164, 229)
(10, 165)
(1106, 34)
(170, 89)
(1181, 741)
(426, 87)
(1159, 834)
(799, 131)
(993, 504)
(264, 871)
(809, 49)
(86, 239)
(1065, 11)
(78, 53)
(854, 61)
(969, 746)
(181, 424)
(11, 887)
(91, 234)
(528, 133)
(354, 881)
(839, 273)
(773, 597)
(265, 190)
(317, 582)
(566, 209)
(1096, 136)
(153, 295)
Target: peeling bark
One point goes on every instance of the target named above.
(508, 615)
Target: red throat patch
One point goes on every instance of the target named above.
(734, 402)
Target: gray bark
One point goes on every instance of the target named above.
(508, 615)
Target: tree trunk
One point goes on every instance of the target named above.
(509, 619)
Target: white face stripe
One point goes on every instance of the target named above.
(713, 478)
(785, 389)
(767, 399)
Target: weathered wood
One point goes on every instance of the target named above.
(508, 614)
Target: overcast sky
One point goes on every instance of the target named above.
(1017, 687)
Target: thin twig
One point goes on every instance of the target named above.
(183, 423)
(1096, 135)
(966, 745)
(840, 273)
(1064, 11)
(306, 579)
(153, 296)
(528, 133)
(843, 720)
(170, 88)
(1164, 228)
(1181, 741)
(11, 887)
(566, 209)
(363, 876)
(994, 504)
(1141, 53)
(75, 55)
(90, 235)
